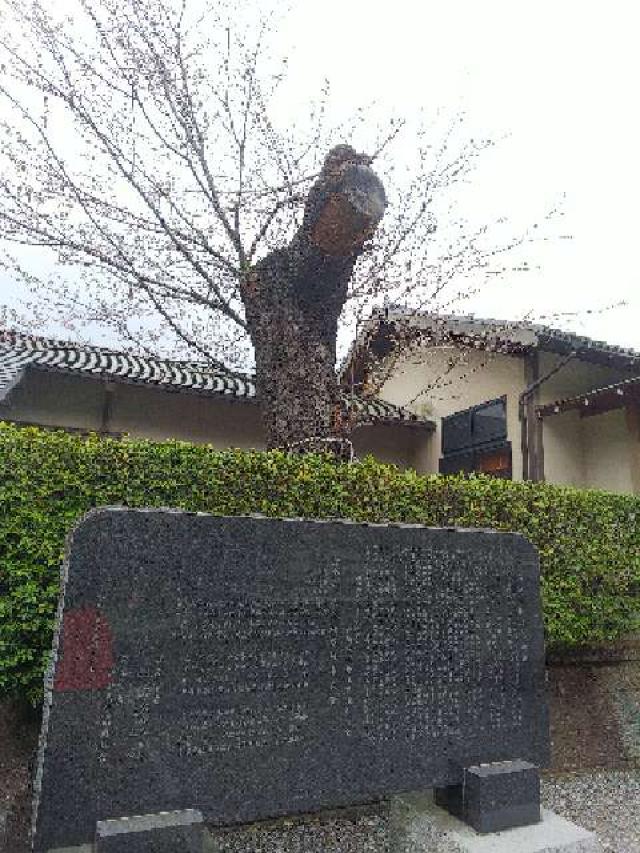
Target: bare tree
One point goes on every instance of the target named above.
(137, 145)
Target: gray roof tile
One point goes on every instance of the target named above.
(19, 351)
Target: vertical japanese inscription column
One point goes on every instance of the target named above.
(83, 672)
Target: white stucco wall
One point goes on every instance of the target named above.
(58, 400)
(632, 419)
(586, 452)
(160, 415)
(145, 412)
(563, 450)
(482, 376)
(396, 444)
(594, 452)
(607, 452)
(66, 401)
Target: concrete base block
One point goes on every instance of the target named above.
(494, 797)
(164, 832)
(420, 826)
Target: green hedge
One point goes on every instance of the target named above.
(589, 541)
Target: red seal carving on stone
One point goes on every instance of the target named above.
(86, 658)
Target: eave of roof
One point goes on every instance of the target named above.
(376, 340)
(521, 333)
(21, 354)
(599, 400)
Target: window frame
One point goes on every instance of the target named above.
(465, 457)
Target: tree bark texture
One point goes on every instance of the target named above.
(293, 299)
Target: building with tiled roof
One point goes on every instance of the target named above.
(436, 393)
(88, 388)
(514, 399)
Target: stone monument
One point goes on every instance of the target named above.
(230, 669)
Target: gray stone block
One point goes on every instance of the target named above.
(494, 796)
(164, 832)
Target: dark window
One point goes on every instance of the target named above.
(476, 440)
(489, 422)
(456, 432)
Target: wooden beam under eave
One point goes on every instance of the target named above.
(610, 400)
(596, 402)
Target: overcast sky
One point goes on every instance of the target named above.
(561, 79)
(558, 80)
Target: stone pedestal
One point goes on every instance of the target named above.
(494, 796)
(420, 826)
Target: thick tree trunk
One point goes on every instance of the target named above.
(295, 350)
(293, 299)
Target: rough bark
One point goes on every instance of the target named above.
(293, 299)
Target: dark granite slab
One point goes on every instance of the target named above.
(252, 667)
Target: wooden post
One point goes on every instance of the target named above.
(531, 375)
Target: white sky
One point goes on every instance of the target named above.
(559, 77)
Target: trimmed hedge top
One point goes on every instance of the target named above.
(589, 541)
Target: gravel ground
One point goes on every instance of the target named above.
(606, 802)
(364, 830)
